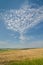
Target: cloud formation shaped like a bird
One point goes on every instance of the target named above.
(24, 18)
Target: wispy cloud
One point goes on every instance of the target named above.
(33, 44)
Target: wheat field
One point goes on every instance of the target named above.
(20, 55)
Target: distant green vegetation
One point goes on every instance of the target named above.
(25, 62)
(4, 50)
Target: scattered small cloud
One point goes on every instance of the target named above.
(23, 18)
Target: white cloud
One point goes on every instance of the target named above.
(23, 38)
(23, 18)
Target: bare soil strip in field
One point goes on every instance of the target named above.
(17, 55)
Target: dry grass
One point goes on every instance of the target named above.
(12, 55)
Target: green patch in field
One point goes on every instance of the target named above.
(4, 50)
(25, 62)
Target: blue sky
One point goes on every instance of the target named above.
(21, 23)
